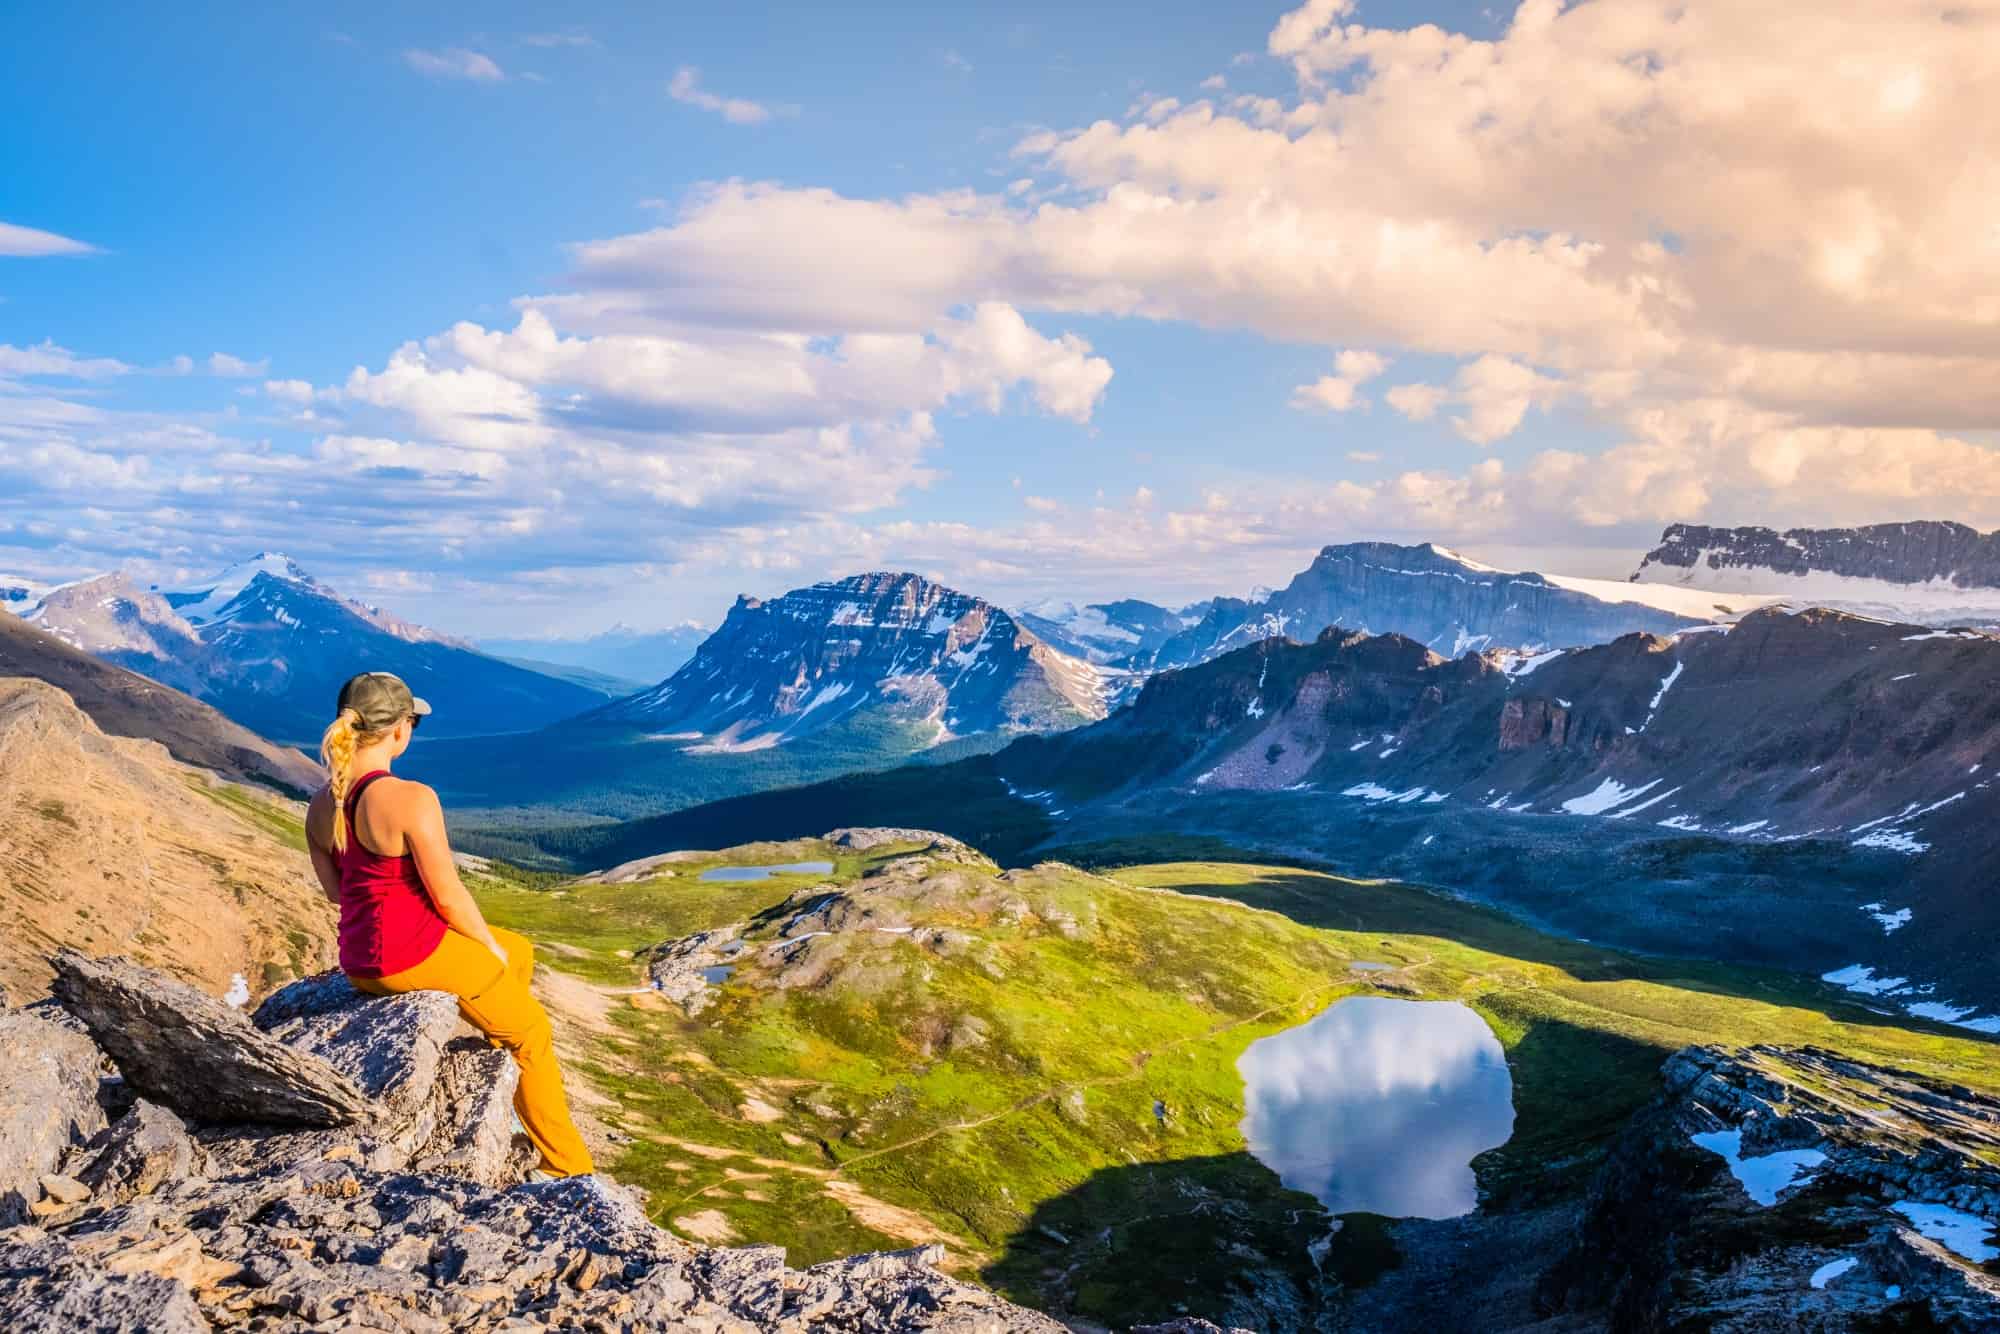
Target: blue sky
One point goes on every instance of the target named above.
(1037, 304)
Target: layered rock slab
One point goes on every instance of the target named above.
(197, 1055)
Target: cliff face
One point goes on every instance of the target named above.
(386, 1197)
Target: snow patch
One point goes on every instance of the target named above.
(1518, 665)
(1894, 840)
(1832, 1270)
(1861, 979)
(238, 994)
(1608, 794)
(1766, 1175)
(1891, 921)
(1961, 1233)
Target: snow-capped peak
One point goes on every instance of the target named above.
(205, 599)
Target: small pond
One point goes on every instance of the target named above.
(1379, 1106)
(766, 872)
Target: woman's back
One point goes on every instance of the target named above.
(387, 919)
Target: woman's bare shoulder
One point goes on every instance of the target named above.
(410, 795)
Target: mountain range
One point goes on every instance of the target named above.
(1809, 790)
(1442, 600)
(1854, 752)
(269, 645)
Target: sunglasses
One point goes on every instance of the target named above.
(416, 721)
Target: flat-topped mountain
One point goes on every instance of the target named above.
(1440, 599)
(1897, 553)
(269, 645)
(889, 643)
(1931, 572)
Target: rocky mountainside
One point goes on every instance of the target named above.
(350, 1162)
(1125, 633)
(1858, 752)
(108, 843)
(897, 644)
(1933, 573)
(126, 704)
(1438, 598)
(112, 618)
(269, 645)
(1763, 1188)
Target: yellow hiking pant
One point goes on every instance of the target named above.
(494, 999)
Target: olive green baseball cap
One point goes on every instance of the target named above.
(382, 699)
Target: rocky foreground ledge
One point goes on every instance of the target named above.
(344, 1162)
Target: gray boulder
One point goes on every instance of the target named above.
(48, 1101)
(390, 1046)
(190, 1051)
(143, 1150)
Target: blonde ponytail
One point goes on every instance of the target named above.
(336, 751)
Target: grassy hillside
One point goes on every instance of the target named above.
(1037, 1067)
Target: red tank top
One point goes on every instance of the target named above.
(387, 920)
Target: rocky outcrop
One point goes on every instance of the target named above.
(196, 1054)
(687, 970)
(1532, 721)
(48, 1102)
(1670, 1238)
(364, 1227)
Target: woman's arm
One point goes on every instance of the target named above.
(424, 833)
(318, 813)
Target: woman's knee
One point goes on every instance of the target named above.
(519, 949)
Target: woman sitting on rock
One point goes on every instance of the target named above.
(407, 923)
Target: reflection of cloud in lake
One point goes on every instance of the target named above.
(1379, 1105)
